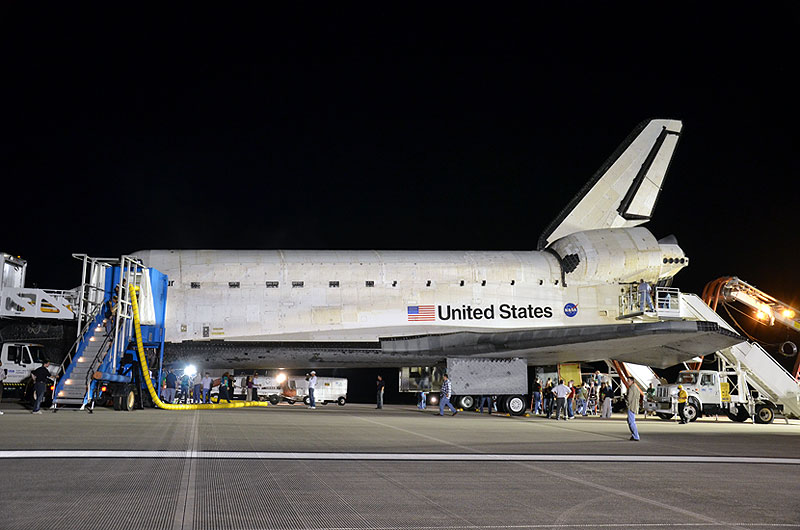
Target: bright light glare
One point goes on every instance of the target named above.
(788, 313)
(761, 315)
(190, 370)
(280, 378)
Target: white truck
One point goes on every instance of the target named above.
(290, 389)
(712, 392)
(19, 360)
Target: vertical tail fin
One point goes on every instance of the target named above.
(624, 191)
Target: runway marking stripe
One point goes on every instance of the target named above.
(256, 455)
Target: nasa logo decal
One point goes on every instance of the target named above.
(570, 310)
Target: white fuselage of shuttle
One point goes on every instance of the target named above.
(361, 296)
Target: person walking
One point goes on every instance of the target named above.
(606, 394)
(444, 396)
(632, 402)
(487, 399)
(683, 397)
(536, 402)
(380, 385)
(40, 378)
(206, 382)
(561, 391)
(312, 386)
(423, 400)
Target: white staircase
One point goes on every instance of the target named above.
(764, 373)
(76, 386)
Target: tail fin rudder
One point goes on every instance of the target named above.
(624, 191)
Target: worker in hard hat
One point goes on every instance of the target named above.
(682, 398)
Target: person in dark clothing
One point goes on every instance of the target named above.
(41, 376)
(223, 388)
(547, 397)
(172, 385)
(381, 385)
(536, 402)
(230, 386)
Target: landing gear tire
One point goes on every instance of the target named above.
(764, 414)
(515, 405)
(274, 400)
(341, 401)
(466, 402)
(664, 416)
(691, 411)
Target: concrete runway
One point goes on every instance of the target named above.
(354, 467)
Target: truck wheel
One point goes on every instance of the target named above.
(515, 405)
(764, 414)
(691, 411)
(341, 401)
(274, 399)
(307, 401)
(664, 416)
(466, 402)
(128, 399)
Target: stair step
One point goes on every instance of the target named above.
(69, 401)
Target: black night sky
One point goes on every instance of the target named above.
(392, 126)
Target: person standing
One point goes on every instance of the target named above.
(444, 396)
(632, 402)
(206, 382)
(606, 394)
(422, 403)
(230, 386)
(644, 295)
(40, 378)
(380, 384)
(249, 384)
(547, 398)
(312, 386)
(561, 392)
(571, 400)
(224, 383)
(172, 384)
(186, 383)
(2, 377)
(682, 399)
(580, 399)
(536, 403)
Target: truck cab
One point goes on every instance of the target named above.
(20, 359)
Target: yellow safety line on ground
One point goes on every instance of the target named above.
(146, 372)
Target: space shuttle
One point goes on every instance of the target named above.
(559, 303)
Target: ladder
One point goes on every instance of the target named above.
(764, 373)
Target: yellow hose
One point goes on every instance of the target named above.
(169, 406)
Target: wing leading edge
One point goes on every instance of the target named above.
(657, 344)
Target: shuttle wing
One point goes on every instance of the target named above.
(624, 191)
(657, 344)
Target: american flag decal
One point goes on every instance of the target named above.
(421, 313)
